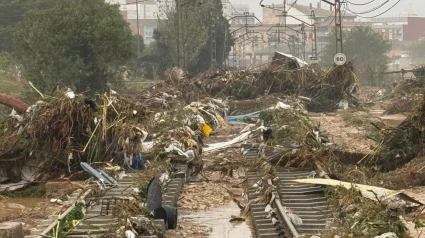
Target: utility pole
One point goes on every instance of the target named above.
(303, 37)
(284, 12)
(138, 29)
(298, 45)
(293, 49)
(338, 27)
(182, 39)
(253, 57)
(178, 31)
(314, 39)
(213, 44)
(225, 44)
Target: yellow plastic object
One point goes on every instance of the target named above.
(206, 129)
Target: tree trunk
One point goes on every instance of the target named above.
(13, 102)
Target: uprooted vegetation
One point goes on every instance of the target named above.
(65, 131)
(358, 216)
(60, 131)
(403, 144)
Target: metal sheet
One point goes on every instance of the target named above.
(367, 191)
(95, 173)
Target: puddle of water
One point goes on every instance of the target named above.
(218, 220)
(16, 205)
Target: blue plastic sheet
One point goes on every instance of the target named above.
(249, 115)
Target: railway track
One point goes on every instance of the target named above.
(306, 201)
(98, 220)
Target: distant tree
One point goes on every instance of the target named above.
(196, 24)
(366, 48)
(79, 43)
(135, 64)
(156, 58)
(417, 52)
(224, 43)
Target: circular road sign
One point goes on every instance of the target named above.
(340, 59)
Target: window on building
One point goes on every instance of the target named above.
(148, 14)
(131, 15)
(148, 34)
(151, 11)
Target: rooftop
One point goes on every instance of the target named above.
(306, 10)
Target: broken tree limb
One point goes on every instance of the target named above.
(13, 102)
(305, 98)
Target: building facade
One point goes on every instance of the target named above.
(406, 29)
(143, 15)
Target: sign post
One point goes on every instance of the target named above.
(340, 59)
(314, 60)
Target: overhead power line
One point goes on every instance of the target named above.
(373, 9)
(395, 4)
(293, 4)
(360, 4)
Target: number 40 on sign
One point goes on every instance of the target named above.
(340, 59)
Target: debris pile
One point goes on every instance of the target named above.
(403, 144)
(326, 91)
(62, 131)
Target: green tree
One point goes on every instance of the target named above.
(365, 48)
(135, 64)
(195, 27)
(224, 43)
(156, 58)
(79, 43)
(12, 12)
(417, 52)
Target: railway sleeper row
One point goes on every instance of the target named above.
(98, 219)
(307, 201)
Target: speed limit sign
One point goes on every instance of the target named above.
(339, 59)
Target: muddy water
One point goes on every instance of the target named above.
(14, 206)
(218, 220)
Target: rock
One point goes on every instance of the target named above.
(11, 230)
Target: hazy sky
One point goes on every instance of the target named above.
(403, 7)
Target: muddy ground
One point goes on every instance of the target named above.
(208, 200)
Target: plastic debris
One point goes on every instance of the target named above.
(70, 93)
(164, 178)
(206, 129)
(387, 235)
